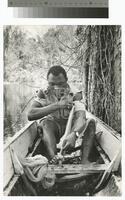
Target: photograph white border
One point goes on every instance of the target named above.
(116, 17)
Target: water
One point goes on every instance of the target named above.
(16, 97)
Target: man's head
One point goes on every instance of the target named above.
(57, 77)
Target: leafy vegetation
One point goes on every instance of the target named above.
(91, 55)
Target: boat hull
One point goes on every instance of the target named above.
(108, 141)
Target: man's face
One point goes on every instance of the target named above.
(58, 86)
(57, 81)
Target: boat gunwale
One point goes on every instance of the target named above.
(17, 135)
(7, 189)
(106, 126)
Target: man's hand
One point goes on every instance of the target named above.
(69, 142)
(65, 102)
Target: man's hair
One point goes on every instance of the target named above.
(56, 70)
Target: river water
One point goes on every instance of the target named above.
(17, 99)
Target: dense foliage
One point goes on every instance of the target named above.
(91, 56)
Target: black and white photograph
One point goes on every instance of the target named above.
(62, 110)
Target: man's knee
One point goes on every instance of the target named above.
(92, 122)
(46, 127)
(80, 114)
(92, 125)
(45, 123)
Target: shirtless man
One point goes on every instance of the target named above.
(52, 107)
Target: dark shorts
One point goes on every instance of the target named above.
(61, 125)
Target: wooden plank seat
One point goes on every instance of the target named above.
(78, 168)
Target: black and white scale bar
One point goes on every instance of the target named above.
(59, 3)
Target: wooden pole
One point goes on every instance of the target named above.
(68, 127)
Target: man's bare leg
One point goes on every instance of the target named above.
(49, 129)
(88, 141)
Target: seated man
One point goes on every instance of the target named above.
(52, 107)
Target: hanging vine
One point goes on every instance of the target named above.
(102, 55)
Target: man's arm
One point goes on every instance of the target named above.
(79, 125)
(37, 111)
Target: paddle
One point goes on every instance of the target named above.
(108, 170)
(68, 128)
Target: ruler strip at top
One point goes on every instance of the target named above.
(59, 3)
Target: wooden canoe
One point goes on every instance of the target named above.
(108, 144)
